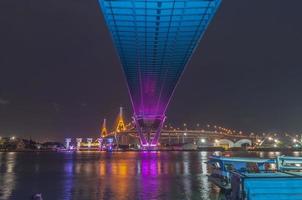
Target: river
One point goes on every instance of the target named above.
(174, 175)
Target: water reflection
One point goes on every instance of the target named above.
(150, 167)
(68, 179)
(118, 176)
(7, 177)
(205, 186)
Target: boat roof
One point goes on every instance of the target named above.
(290, 159)
(239, 159)
(273, 175)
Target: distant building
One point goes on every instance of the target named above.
(189, 146)
(54, 146)
(12, 143)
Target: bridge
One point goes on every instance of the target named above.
(155, 40)
(126, 133)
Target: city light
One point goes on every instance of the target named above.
(12, 138)
(186, 136)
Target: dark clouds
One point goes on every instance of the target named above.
(60, 74)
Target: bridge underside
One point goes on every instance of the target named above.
(155, 40)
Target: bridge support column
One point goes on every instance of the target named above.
(116, 140)
(149, 129)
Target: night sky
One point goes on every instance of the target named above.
(60, 75)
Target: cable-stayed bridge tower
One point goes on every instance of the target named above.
(104, 131)
(120, 122)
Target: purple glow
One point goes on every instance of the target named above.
(153, 62)
(149, 129)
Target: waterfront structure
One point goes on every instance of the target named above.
(13, 143)
(79, 141)
(155, 40)
(100, 140)
(68, 141)
(89, 141)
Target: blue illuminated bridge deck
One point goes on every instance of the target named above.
(155, 40)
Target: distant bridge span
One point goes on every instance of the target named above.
(185, 136)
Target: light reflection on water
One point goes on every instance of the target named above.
(7, 174)
(119, 175)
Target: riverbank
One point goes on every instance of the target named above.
(209, 149)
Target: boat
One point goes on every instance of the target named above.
(221, 168)
(260, 179)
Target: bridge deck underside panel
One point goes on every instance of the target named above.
(155, 39)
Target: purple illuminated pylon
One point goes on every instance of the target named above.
(149, 129)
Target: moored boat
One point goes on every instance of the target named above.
(221, 168)
(258, 179)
